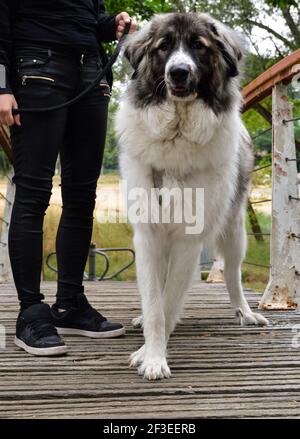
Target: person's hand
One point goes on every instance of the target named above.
(7, 104)
(122, 19)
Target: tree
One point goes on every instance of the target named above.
(256, 19)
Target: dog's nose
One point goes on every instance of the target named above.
(179, 73)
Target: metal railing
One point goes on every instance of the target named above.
(92, 266)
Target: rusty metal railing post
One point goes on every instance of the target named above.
(283, 290)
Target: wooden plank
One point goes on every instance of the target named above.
(219, 369)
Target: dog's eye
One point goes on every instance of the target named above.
(164, 46)
(197, 45)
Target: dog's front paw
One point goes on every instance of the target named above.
(137, 357)
(155, 369)
(250, 318)
(137, 322)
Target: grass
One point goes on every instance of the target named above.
(259, 253)
(110, 177)
(104, 235)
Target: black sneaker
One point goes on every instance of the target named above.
(36, 334)
(84, 320)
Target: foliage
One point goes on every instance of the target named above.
(4, 164)
(111, 159)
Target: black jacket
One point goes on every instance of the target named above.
(69, 24)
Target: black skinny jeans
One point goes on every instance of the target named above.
(42, 78)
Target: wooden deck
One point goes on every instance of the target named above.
(219, 369)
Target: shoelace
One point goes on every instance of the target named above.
(42, 328)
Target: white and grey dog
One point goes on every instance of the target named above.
(179, 126)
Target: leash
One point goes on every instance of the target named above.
(98, 78)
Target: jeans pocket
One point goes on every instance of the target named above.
(32, 66)
(29, 61)
(34, 57)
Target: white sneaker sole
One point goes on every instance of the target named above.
(41, 352)
(104, 334)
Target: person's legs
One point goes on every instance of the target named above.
(81, 161)
(34, 154)
(35, 147)
(40, 79)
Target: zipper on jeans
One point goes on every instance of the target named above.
(44, 78)
(106, 89)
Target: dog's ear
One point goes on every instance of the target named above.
(230, 46)
(136, 47)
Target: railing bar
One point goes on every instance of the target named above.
(6, 199)
(292, 160)
(257, 265)
(295, 119)
(3, 220)
(260, 202)
(263, 167)
(259, 234)
(245, 262)
(293, 235)
(261, 134)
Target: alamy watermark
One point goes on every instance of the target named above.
(153, 206)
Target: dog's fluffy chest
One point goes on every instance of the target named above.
(185, 146)
(179, 138)
(176, 133)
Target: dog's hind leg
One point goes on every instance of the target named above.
(233, 246)
(149, 247)
(184, 255)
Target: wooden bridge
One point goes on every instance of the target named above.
(219, 369)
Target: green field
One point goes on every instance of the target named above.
(259, 253)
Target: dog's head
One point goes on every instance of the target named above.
(184, 57)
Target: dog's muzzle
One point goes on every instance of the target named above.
(180, 80)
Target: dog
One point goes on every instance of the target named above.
(179, 126)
